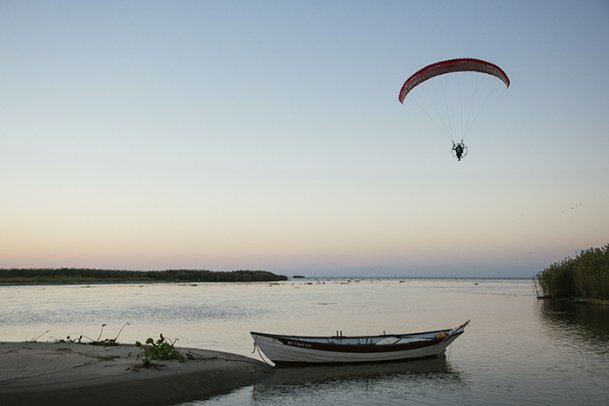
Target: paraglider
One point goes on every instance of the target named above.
(459, 149)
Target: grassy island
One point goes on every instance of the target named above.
(78, 276)
(586, 276)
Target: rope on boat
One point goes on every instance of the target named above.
(193, 355)
(262, 357)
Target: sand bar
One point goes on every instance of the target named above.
(84, 374)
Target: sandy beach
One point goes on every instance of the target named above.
(84, 374)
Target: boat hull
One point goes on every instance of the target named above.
(289, 350)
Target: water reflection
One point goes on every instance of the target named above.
(167, 313)
(587, 324)
(356, 382)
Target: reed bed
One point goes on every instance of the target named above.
(585, 276)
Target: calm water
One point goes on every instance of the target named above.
(517, 350)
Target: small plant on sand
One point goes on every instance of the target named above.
(34, 339)
(162, 349)
(70, 340)
(107, 341)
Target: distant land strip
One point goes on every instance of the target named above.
(44, 276)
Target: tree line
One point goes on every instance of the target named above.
(86, 275)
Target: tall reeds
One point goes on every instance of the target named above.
(585, 276)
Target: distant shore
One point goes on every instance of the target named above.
(49, 276)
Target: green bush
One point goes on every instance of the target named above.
(162, 349)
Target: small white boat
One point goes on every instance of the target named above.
(339, 349)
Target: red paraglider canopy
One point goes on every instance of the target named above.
(449, 66)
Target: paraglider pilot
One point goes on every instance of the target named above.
(458, 148)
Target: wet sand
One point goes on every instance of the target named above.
(84, 374)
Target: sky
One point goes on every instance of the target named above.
(229, 135)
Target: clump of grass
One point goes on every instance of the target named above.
(162, 349)
(585, 276)
(70, 340)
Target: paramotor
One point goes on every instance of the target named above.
(445, 105)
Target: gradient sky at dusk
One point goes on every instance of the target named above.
(267, 135)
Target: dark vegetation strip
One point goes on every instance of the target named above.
(585, 276)
(77, 275)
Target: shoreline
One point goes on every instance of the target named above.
(84, 374)
(125, 282)
(578, 300)
(306, 279)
